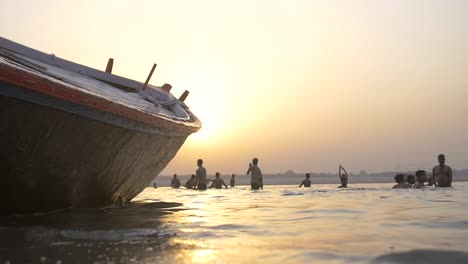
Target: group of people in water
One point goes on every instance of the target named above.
(441, 177)
(198, 181)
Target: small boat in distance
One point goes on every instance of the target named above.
(74, 136)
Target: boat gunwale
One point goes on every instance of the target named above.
(24, 79)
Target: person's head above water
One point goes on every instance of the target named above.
(441, 159)
(199, 162)
(421, 175)
(255, 161)
(399, 178)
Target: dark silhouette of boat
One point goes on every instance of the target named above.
(73, 136)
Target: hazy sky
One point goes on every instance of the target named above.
(302, 85)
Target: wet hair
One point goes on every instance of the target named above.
(217, 174)
(441, 156)
(308, 175)
(255, 161)
(420, 173)
(200, 162)
(399, 178)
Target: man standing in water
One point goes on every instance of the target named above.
(256, 181)
(233, 181)
(218, 182)
(442, 174)
(306, 182)
(201, 176)
(175, 183)
(343, 177)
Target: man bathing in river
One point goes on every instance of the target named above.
(442, 174)
(343, 177)
(218, 182)
(256, 181)
(201, 176)
(306, 182)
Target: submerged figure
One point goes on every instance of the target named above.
(306, 182)
(442, 174)
(256, 180)
(175, 183)
(218, 182)
(233, 181)
(420, 179)
(343, 177)
(400, 180)
(201, 176)
(190, 184)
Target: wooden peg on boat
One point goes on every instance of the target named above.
(166, 87)
(184, 96)
(149, 77)
(110, 64)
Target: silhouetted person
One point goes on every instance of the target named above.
(190, 184)
(306, 182)
(218, 182)
(400, 180)
(233, 181)
(343, 177)
(201, 176)
(411, 180)
(175, 183)
(256, 180)
(442, 174)
(154, 185)
(420, 179)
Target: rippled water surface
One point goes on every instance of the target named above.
(367, 223)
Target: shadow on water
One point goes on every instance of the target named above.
(423, 257)
(109, 235)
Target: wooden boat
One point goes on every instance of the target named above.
(73, 136)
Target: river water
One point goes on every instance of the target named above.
(367, 223)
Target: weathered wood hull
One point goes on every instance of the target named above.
(73, 136)
(53, 159)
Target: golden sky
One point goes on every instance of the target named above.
(302, 85)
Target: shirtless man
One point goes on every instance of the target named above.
(233, 181)
(190, 184)
(442, 174)
(218, 182)
(343, 177)
(306, 182)
(201, 176)
(175, 183)
(256, 180)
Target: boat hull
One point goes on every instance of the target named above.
(58, 154)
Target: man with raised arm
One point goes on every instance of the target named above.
(343, 177)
